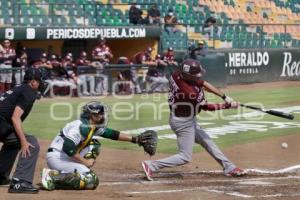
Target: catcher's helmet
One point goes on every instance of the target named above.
(193, 68)
(95, 107)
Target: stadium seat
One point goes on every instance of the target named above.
(71, 13)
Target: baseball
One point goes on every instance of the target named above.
(284, 145)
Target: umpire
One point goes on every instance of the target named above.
(15, 105)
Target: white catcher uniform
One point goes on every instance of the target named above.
(80, 134)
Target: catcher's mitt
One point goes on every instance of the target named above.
(148, 140)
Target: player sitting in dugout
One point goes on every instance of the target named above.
(74, 150)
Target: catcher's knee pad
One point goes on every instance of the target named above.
(92, 150)
(91, 181)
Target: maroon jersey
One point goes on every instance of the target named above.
(141, 57)
(83, 67)
(103, 52)
(7, 56)
(21, 61)
(81, 61)
(185, 99)
(168, 57)
(41, 63)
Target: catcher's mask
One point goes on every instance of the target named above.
(96, 109)
(192, 70)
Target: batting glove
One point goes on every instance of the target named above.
(227, 99)
(234, 104)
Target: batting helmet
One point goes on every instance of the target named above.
(149, 49)
(101, 40)
(192, 67)
(83, 54)
(53, 57)
(44, 55)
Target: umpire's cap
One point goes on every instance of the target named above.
(33, 74)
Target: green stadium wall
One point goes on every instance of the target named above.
(263, 65)
(251, 66)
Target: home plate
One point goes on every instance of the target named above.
(255, 183)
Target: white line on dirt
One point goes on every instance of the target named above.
(290, 169)
(236, 194)
(155, 182)
(280, 171)
(280, 195)
(211, 189)
(167, 191)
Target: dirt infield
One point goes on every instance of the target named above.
(121, 176)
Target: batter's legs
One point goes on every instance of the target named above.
(185, 133)
(206, 142)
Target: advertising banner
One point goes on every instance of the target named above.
(58, 33)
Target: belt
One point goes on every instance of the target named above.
(61, 134)
(177, 112)
(52, 150)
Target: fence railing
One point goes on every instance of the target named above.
(108, 72)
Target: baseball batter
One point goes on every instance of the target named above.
(186, 100)
(73, 151)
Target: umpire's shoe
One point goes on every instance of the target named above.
(21, 186)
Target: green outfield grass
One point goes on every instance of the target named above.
(41, 123)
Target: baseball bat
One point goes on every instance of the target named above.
(271, 112)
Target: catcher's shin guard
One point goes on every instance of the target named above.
(74, 181)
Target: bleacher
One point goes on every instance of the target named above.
(244, 23)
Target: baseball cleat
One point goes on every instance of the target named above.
(236, 172)
(47, 181)
(21, 186)
(147, 171)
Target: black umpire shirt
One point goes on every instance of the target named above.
(23, 96)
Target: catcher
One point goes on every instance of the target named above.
(73, 151)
